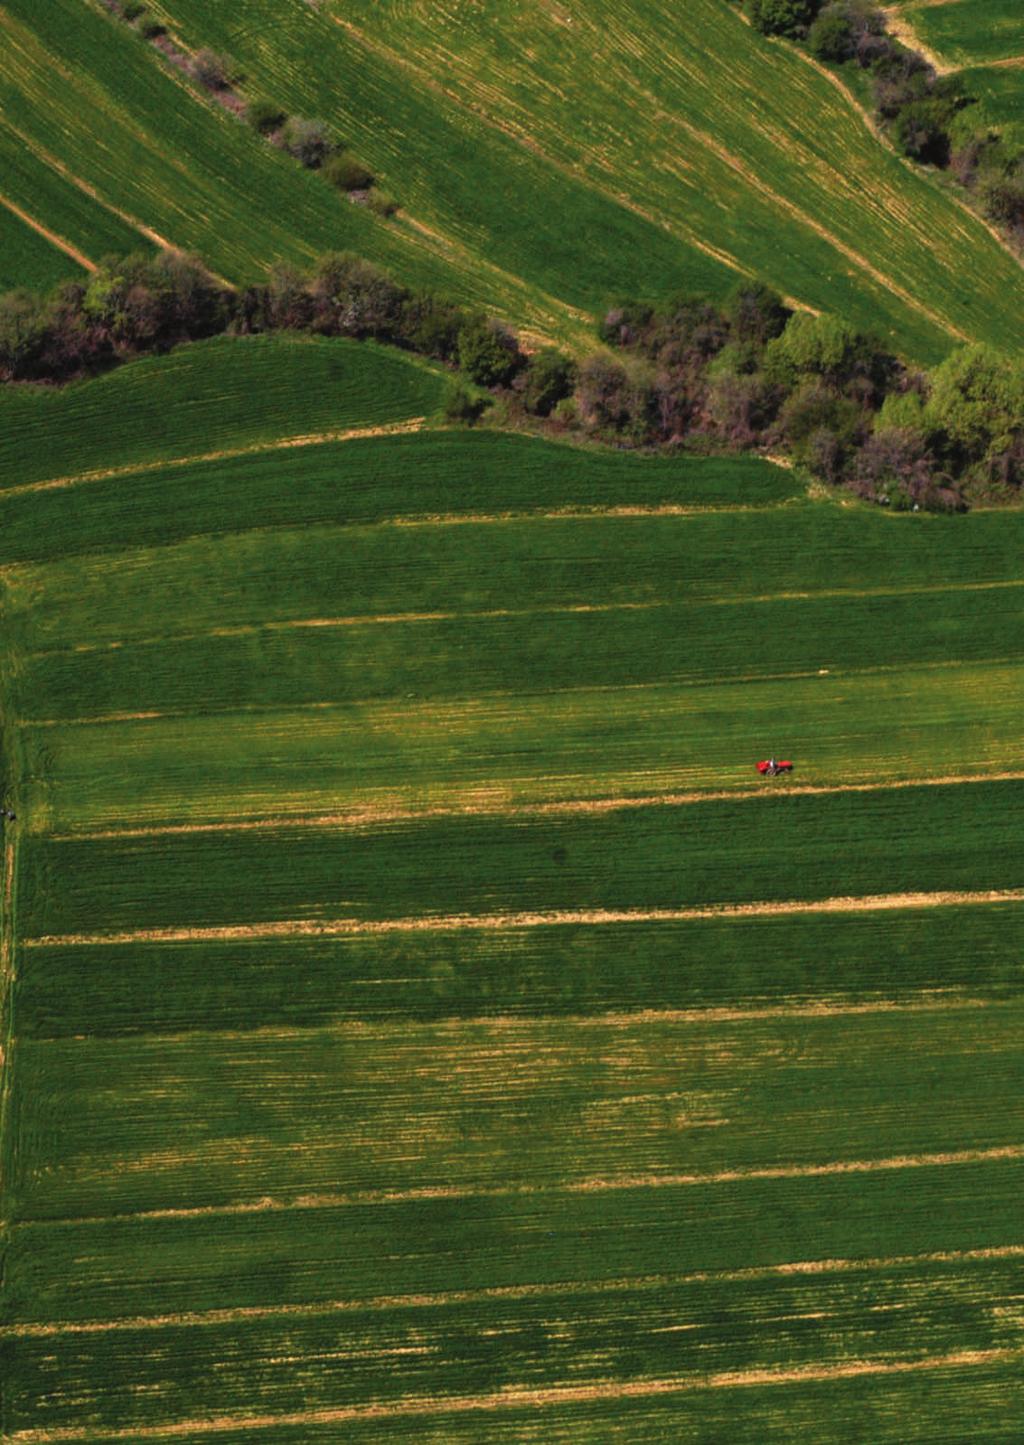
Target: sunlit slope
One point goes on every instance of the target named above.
(545, 163)
(679, 112)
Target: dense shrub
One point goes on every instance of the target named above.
(461, 404)
(264, 115)
(781, 17)
(132, 9)
(212, 70)
(832, 36)
(309, 141)
(151, 29)
(549, 379)
(487, 352)
(347, 173)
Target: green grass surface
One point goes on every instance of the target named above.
(970, 32)
(28, 259)
(670, 1179)
(1002, 91)
(684, 114)
(519, 168)
(203, 397)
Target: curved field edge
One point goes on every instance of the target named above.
(207, 397)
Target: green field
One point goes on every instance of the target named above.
(970, 32)
(418, 1020)
(532, 171)
(383, 1064)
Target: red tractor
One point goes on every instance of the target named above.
(771, 768)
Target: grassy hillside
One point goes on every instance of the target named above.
(425, 1022)
(535, 163)
(970, 32)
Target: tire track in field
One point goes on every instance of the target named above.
(368, 816)
(274, 444)
(525, 1397)
(444, 1299)
(499, 922)
(59, 241)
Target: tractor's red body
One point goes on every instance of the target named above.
(770, 767)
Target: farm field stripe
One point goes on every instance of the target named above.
(54, 164)
(51, 236)
(511, 1023)
(368, 816)
(518, 1397)
(394, 619)
(314, 439)
(611, 1184)
(461, 922)
(446, 1298)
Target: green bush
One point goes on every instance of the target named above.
(347, 173)
(549, 380)
(132, 9)
(151, 29)
(487, 354)
(381, 203)
(212, 70)
(462, 405)
(264, 115)
(781, 17)
(309, 141)
(832, 37)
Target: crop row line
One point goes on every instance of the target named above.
(611, 1184)
(519, 1397)
(443, 1299)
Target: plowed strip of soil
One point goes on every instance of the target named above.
(369, 816)
(455, 922)
(516, 1397)
(275, 444)
(614, 1184)
(51, 236)
(448, 1298)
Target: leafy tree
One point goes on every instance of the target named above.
(22, 333)
(977, 405)
(347, 173)
(832, 36)
(488, 354)
(755, 312)
(264, 115)
(549, 380)
(781, 17)
(461, 404)
(309, 141)
(211, 69)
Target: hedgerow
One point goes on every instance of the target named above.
(747, 375)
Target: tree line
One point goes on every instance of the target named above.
(930, 117)
(749, 374)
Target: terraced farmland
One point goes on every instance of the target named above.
(536, 155)
(422, 1024)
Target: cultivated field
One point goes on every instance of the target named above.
(424, 1025)
(537, 155)
(970, 32)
